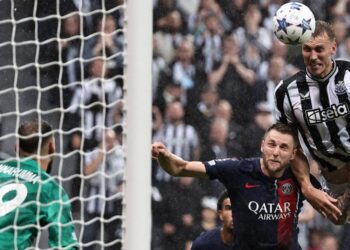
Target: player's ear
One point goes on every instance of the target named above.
(294, 153)
(333, 48)
(52, 147)
(262, 146)
(220, 215)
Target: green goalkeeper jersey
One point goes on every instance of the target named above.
(30, 200)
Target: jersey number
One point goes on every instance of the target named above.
(10, 205)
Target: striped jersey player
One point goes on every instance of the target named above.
(265, 196)
(316, 101)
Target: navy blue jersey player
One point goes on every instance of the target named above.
(220, 238)
(266, 197)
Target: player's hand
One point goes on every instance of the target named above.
(158, 149)
(323, 203)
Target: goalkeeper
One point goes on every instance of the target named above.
(30, 198)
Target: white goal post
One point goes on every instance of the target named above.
(138, 124)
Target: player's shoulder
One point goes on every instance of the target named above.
(249, 164)
(239, 162)
(342, 63)
(205, 238)
(297, 77)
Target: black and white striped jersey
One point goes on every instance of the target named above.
(320, 109)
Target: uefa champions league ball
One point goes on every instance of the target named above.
(293, 23)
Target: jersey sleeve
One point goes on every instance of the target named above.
(315, 182)
(282, 106)
(195, 245)
(58, 217)
(225, 170)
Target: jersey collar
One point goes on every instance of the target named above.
(324, 79)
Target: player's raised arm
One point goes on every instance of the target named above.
(320, 200)
(175, 165)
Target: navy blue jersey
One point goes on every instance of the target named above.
(210, 240)
(265, 209)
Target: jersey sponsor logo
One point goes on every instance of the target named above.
(340, 88)
(248, 185)
(315, 116)
(287, 189)
(305, 96)
(211, 163)
(270, 210)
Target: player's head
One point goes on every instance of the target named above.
(319, 50)
(278, 148)
(36, 139)
(224, 210)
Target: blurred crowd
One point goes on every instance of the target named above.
(215, 66)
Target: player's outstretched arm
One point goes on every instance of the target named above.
(175, 165)
(319, 199)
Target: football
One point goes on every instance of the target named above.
(293, 23)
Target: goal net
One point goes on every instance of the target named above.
(84, 66)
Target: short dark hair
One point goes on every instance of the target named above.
(223, 196)
(29, 135)
(324, 27)
(285, 129)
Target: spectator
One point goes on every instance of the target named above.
(160, 70)
(225, 111)
(179, 213)
(103, 168)
(177, 135)
(170, 92)
(235, 82)
(161, 12)
(345, 238)
(252, 32)
(85, 8)
(329, 242)
(344, 51)
(278, 49)
(218, 147)
(254, 131)
(234, 10)
(106, 42)
(187, 72)
(208, 43)
(315, 239)
(266, 88)
(196, 22)
(201, 116)
(170, 36)
(70, 47)
(96, 93)
(307, 214)
(340, 31)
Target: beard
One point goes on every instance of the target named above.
(271, 169)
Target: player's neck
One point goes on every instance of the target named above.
(227, 236)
